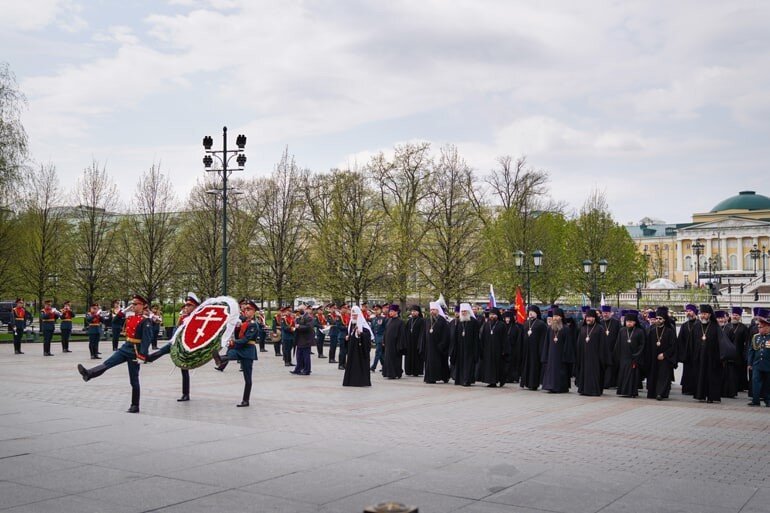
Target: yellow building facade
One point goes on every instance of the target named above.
(731, 240)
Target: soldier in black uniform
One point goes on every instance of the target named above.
(48, 317)
(21, 317)
(66, 326)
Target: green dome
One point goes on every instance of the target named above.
(745, 200)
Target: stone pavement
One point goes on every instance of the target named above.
(308, 444)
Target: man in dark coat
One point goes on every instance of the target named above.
(464, 347)
(393, 344)
(739, 334)
(558, 354)
(661, 341)
(413, 363)
(304, 338)
(686, 353)
(591, 359)
(629, 350)
(610, 327)
(532, 343)
(729, 361)
(434, 345)
(708, 382)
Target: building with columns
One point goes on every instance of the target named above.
(730, 242)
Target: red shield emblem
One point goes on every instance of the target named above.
(204, 326)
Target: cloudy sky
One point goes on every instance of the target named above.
(663, 105)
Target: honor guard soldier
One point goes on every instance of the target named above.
(191, 302)
(20, 318)
(132, 352)
(243, 347)
(48, 317)
(94, 323)
(117, 319)
(759, 359)
(66, 326)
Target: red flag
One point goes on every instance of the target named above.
(521, 310)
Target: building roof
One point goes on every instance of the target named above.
(654, 230)
(745, 200)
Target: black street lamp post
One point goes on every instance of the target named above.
(593, 273)
(697, 247)
(638, 293)
(765, 254)
(224, 155)
(522, 266)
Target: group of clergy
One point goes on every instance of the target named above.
(603, 350)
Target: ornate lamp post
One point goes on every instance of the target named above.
(593, 271)
(638, 293)
(522, 266)
(223, 156)
(697, 248)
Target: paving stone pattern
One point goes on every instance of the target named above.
(307, 444)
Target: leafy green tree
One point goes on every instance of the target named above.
(595, 236)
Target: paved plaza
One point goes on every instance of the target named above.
(308, 444)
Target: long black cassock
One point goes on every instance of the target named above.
(357, 373)
(629, 349)
(413, 363)
(592, 355)
(492, 351)
(393, 344)
(740, 337)
(434, 347)
(557, 357)
(705, 339)
(464, 351)
(729, 367)
(661, 340)
(610, 329)
(513, 365)
(532, 343)
(688, 356)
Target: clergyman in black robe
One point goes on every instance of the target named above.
(662, 344)
(393, 344)
(513, 336)
(708, 384)
(493, 350)
(729, 371)
(413, 363)
(464, 347)
(629, 349)
(740, 337)
(435, 345)
(558, 354)
(610, 327)
(591, 356)
(532, 343)
(357, 372)
(686, 352)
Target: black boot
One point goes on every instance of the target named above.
(134, 408)
(246, 396)
(221, 362)
(185, 386)
(93, 372)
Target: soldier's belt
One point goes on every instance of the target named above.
(97, 324)
(49, 320)
(134, 340)
(252, 342)
(19, 318)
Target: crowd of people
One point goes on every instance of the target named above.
(627, 351)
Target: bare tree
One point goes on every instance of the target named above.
(44, 232)
(13, 137)
(149, 240)
(451, 247)
(402, 186)
(92, 245)
(281, 239)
